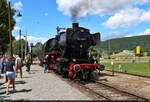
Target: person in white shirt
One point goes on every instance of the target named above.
(18, 64)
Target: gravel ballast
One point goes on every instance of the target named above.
(132, 84)
(40, 86)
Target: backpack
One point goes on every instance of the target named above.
(19, 62)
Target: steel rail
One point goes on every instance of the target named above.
(122, 91)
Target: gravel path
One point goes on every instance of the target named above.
(40, 86)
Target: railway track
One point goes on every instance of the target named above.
(112, 94)
(101, 91)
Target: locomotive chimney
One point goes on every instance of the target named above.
(75, 26)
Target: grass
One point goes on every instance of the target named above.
(138, 68)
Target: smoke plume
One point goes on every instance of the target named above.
(78, 11)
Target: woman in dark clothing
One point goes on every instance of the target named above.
(46, 63)
(11, 73)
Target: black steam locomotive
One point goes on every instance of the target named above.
(68, 52)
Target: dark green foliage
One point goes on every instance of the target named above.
(37, 49)
(148, 53)
(149, 62)
(128, 43)
(16, 47)
(4, 27)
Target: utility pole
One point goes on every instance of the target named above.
(10, 33)
(109, 48)
(22, 53)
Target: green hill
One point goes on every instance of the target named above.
(127, 43)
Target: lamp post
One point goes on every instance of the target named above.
(25, 44)
(10, 33)
(19, 15)
(31, 52)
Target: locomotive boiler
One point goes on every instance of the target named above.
(69, 54)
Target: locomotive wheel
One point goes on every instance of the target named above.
(58, 66)
(86, 75)
(92, 76)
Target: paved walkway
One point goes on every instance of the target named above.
(40, 86)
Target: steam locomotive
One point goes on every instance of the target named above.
(68, 52)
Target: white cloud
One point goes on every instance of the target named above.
(16, 28)
(124, 18)
(33, 39)
(18, 5)
(112, 35)
(146, 32)
(84, 7)
(146, 16)
(45, 14)
(128, 35)
(18, 19)
(124, 13)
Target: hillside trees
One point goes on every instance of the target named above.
(127, 43)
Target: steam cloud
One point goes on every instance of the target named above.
(81, 8)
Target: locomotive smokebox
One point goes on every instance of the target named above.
(75, 26)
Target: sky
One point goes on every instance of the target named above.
(112, 18)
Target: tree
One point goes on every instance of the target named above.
(37, 49)
(4, 27)
(16, 47)
(94, 52)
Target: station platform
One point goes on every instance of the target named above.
(38, 85)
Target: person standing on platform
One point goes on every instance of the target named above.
(46, 63)
(28, 62)
(1, 64)
(18, 63)
(11, 73)
(5, 60)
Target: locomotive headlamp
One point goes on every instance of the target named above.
(81, 46)
(77, 68)
(82, 30)
(74, 60)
